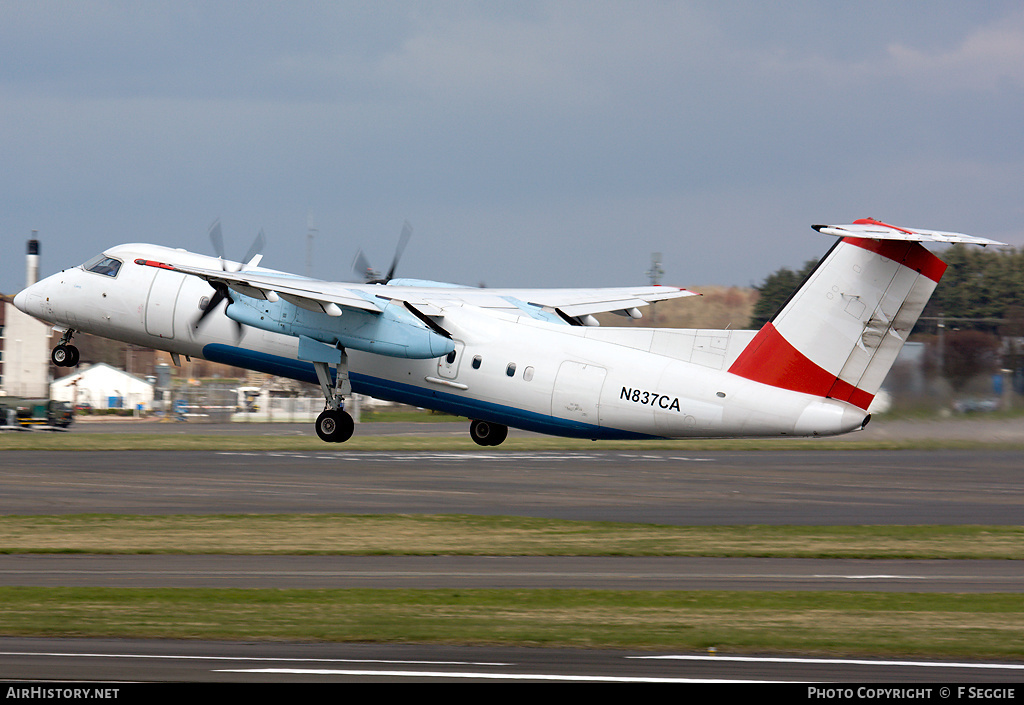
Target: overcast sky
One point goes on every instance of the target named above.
(528, 143)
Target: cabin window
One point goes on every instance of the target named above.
(477, 361)
(511, 369)
(451, 357)
(528, 374)
(101, 264)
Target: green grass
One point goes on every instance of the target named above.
(339, 534)
(805, 622)
(808, 622)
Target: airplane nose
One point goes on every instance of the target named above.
(30, 300)
(21, 301)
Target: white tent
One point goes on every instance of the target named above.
(104, 387)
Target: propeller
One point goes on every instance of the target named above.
(252, 257)
(221, 292)
(362, 266)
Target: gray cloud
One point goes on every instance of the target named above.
(535, 144)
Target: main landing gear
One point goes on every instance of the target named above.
(334, 425)
(65, 354)
(486, 433)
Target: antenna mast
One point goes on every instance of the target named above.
(310, 233)
(655, 272)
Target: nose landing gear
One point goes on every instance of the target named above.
(65, 354)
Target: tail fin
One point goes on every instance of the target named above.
(841, 331)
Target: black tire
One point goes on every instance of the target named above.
(61, 356)
(75, 356)
(488, 434)
(334, 426)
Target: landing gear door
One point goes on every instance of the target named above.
(448, 366)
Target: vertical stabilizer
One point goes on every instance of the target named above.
(840, 333)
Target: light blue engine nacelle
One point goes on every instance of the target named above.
(394, 332)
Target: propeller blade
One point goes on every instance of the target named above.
(220, 289)
(220, 293)
(217, 238)
(255, 253)
(361, 266)
(403, 240)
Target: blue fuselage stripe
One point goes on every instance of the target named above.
(416, 396)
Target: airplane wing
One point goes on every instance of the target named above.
(571, 303)
(873, 229)
(309, 294)
(331, 297)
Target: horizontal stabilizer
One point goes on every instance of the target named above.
(875, 230)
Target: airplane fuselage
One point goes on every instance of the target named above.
(523, 370)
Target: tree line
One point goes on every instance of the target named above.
(973, 323)
(982, 289)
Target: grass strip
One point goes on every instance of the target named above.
(183, 441)
(399, 534)
(850, 623)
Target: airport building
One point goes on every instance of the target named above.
(101, 386)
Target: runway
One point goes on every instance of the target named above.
(662, 487)
(122, 662)
(511, 572)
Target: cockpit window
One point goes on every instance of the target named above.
(101, 264)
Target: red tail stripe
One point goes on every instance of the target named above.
(771, 359)
(909, 254)
(872, 221)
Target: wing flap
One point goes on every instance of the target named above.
(586, 309)
(585, 302)
(423, 304)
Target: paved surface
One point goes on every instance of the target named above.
(512, 572)
(719, 487)
(122, 662)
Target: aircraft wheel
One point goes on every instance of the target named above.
(64, 356)
(334, 426)
(488, 434)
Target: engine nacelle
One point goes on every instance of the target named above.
(394, 332)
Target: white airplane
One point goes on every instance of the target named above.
(531, 359)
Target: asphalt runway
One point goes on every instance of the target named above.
(511, 572)
(122, 662)
(664, 487)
